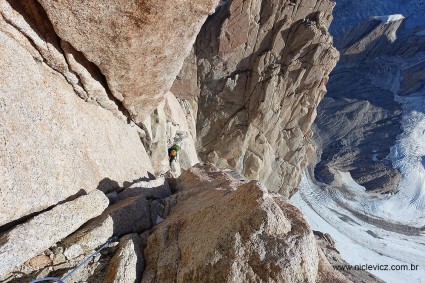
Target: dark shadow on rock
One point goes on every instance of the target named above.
(78, 194)
(107, 185)
(356, 127)
(100, 271)
(159, 191)
(131, 215)
(25, 277)
(150, 177)
(37, 18)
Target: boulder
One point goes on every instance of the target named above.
(31, 238)
(127, 264)
(243, 234)
(139, 46)
(254, 80)
(88, 238)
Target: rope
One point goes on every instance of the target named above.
(62, 280)
(48, 279)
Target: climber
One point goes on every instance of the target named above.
(172, 153)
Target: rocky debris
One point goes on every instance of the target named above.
(327, 246)
(135, 210)
(127, 264)
(40, 261)
(245, 234)
(132, 212)
(31, 238)
(138, 46)
(261, 68)
(88, 237)
(93, 271)
(51, 141)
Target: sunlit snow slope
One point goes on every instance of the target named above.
(359, 240)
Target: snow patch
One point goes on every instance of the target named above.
(407, 156)
(390, 18)
(360, 242)
(348, 181)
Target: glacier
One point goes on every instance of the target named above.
(368, 227)
(375, 228)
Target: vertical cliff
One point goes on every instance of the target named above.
(256, 76)
(88, 110)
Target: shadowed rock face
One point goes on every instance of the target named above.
(261, 71)
(138, 45)
(357, 124)
(359, 120)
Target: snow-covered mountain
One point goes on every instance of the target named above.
(367, 189)
(348, 13)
